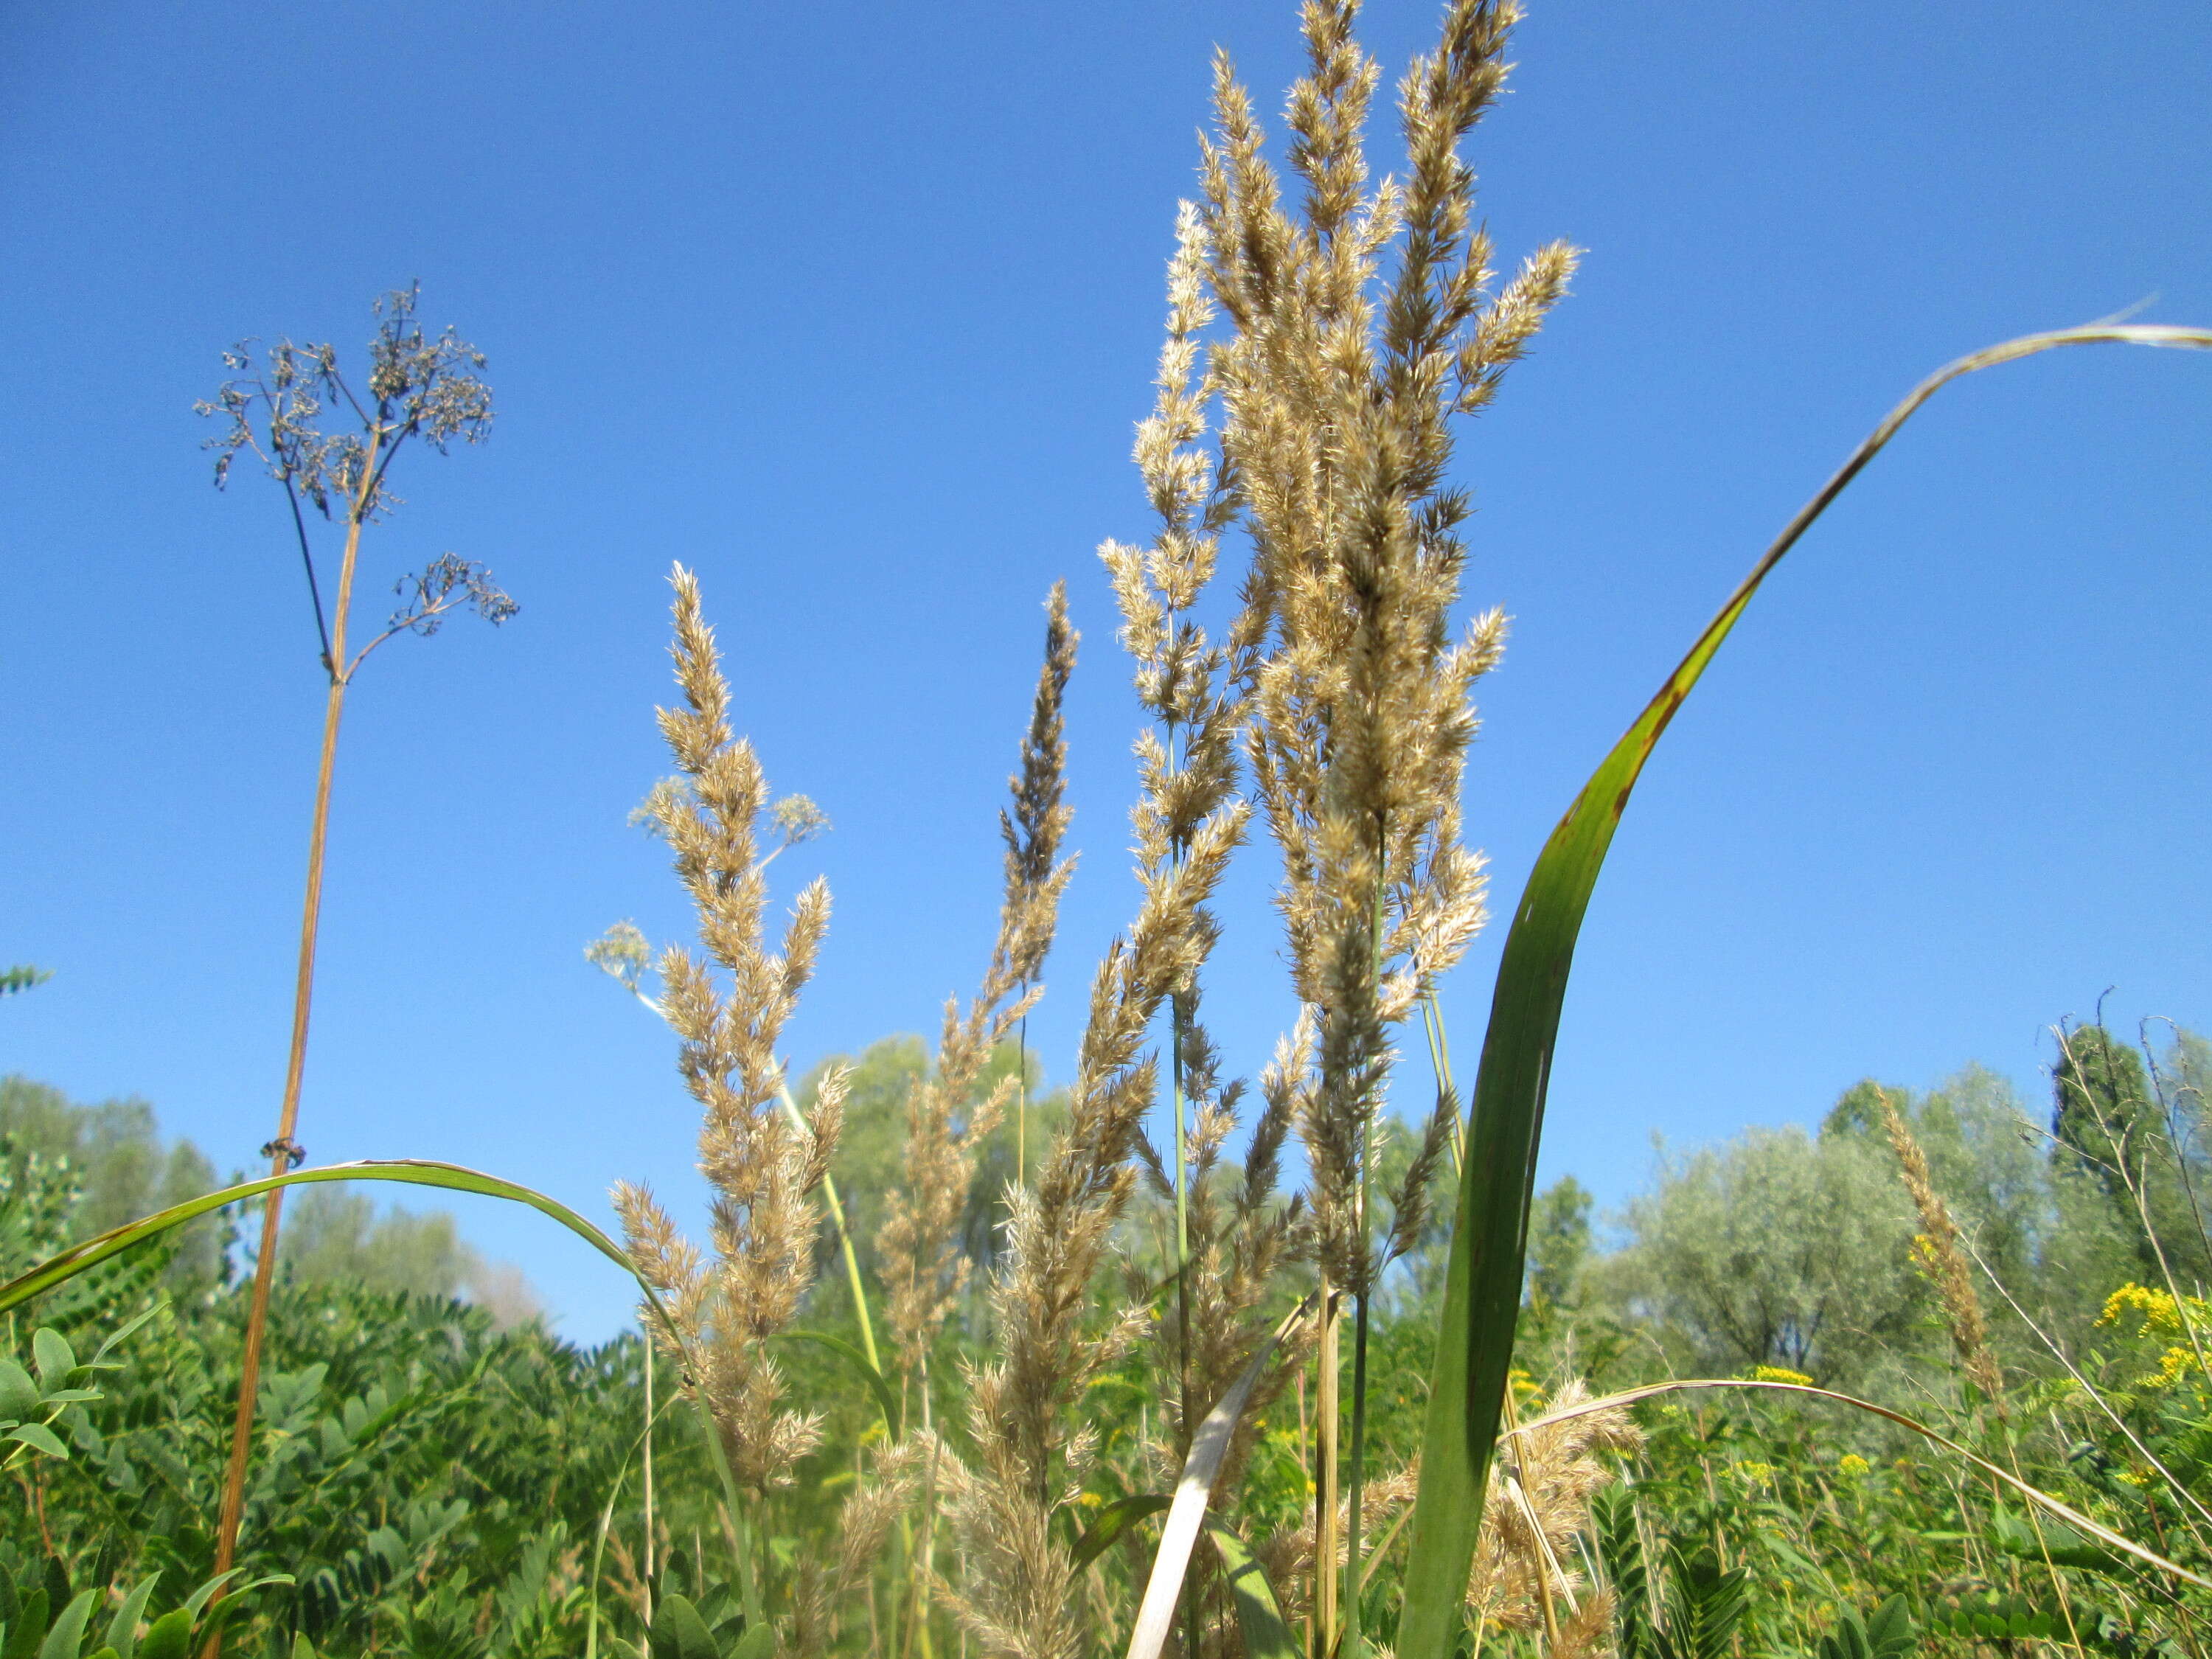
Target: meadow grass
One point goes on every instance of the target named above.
(1082, 1447)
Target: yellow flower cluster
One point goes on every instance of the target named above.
(1758, 1474)
(2156, 1312)
(2173, 1365)
(1851, 1466)
(1779, 1374)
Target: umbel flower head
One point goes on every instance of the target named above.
(419, 388)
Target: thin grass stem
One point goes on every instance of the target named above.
(837, 1208)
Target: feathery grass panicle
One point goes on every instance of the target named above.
(925, 1268)
(1018, 1594)
(1936, 1252)
(1241, 1235)
(1338, 389)
(1226, 1251)
(1289, 1555)
(1539, 1499)
(825, 1584)
(762, 1170)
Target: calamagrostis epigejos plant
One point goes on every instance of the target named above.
(1338, 387)
(418, 389)
(1223, 1262)
(925, 1269)
(1015, 1596)
(762, 1169)
(1936, 1252)
(1538, 1500)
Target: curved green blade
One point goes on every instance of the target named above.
(419, 1172)
(1114, 1520)
(878, 1385)
(1259, 1616)
(1482, 1286)
(412, 1172)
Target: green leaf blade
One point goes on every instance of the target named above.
(1483, 1274)
(39, 1437)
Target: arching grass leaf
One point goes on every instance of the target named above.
(1482, 1286)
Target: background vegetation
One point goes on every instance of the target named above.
(433, 1471)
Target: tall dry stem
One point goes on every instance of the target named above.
(924, 1266)
(1018, 1594)
(1939, 1254)
(418, 389)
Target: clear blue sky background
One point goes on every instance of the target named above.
(852, 308)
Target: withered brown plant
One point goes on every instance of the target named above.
(1339, 387)
(762, 1167)
(420, 390)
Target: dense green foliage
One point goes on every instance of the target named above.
(432, 1484)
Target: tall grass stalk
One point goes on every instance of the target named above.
(417, 388)
(762, 1171)
(1319, 350)
(623, 956)
(1340, 386)
(924, 1264)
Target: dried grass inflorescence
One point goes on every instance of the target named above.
(1338, 388)
(1016, 1594)
(1340, 677)
(1538, 1500)
(925, 1269)
(1241, 1236)
(1230, 1244)
(762, 1170)
(1938, 1253)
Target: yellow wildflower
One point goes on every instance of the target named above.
(1779, 1374)
(2156, 1312)
(2173, 1365)
(1851, 1466)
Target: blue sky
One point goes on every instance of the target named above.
(852, 309)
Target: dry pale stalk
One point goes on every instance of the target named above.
(419, 389)
(924, 1267)
(1018, 1595)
